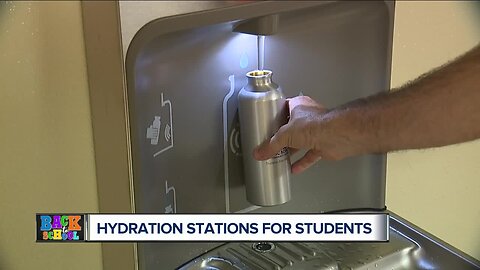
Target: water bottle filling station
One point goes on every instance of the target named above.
(192, 132)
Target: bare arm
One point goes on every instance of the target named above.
(440, 108)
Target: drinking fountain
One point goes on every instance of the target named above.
(164, 79)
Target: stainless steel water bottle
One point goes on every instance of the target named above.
(263, 110)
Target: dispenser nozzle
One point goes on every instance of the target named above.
(261, 26)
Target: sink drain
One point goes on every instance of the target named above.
(263, 247)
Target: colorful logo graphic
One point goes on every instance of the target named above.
(60, 227)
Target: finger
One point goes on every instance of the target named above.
(294, 102)
(306, 161)
(301, 100)
(271, 147)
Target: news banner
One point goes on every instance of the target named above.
(211, 227)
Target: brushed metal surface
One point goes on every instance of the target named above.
(397, 254)
(263, 109)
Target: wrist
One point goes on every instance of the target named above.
(345, 132)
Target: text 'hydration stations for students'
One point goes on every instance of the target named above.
(238, 227)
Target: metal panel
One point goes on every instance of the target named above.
(183, 75)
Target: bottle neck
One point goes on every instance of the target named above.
(259, 77)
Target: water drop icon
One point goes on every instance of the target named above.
(243, 60)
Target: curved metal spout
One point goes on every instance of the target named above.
(262, 26)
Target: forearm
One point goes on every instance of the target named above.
(440, 108)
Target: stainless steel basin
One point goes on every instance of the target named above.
(408, 248)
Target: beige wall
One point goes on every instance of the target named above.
(438, 189)
(46, 161)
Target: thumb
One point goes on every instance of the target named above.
(271, 147)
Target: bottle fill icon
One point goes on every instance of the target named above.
(153, 132)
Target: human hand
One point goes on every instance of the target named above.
(298, 133)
